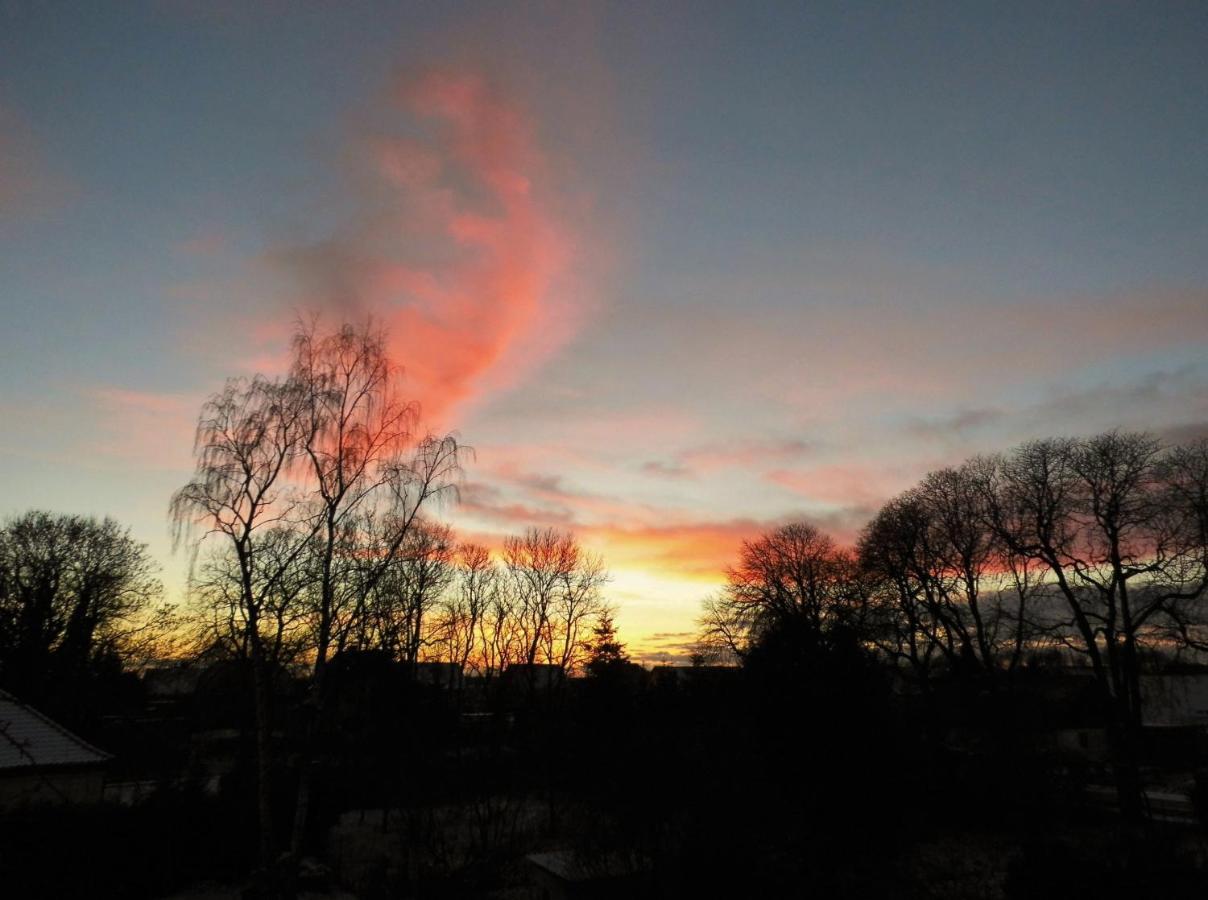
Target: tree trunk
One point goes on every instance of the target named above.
(311, 736)
(307, 769)
(264, 765)
(1125, 768)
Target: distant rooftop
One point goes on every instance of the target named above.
(570, 866)
(29, 739)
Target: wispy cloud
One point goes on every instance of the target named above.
(665, 648)
(1161, 399)
(458, 246)
(714, 457)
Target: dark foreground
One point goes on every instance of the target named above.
(800, 774)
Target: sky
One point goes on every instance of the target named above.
(678, 273)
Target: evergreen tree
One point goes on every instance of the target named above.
(607, 652)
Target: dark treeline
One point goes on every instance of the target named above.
(357, 698)
(78, 604)
(1095, 547)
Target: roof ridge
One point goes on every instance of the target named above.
(71, 736)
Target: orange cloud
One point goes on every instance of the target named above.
(698, 551)
(458, 247)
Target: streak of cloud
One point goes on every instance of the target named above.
(709, 459)
(458, 247)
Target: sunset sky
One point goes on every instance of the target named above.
(676, 272)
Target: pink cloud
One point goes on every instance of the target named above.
(515, 497)
(458, 249)
(487, 502)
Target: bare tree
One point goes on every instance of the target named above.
(556, 590)
(576, 611)
(461, 614)
(302, 475)
(405, 596)
(907, 619)
(722, 636)
(500, 636)
(1184, 500)
(280, 579)
(247, 438)
(1116, 521)
(946, 590)
(792, 574)
(1099, 545)
(365, 463)
(356, 430)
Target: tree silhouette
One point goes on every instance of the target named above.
(368, 472)
(556, 589)
(1117, 522)
(248, 436)
(73, 589)
(792, 574)
(606, 653)
(311, 485)
(946, 589)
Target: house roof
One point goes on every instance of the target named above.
(570, 866)
(29, 739)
